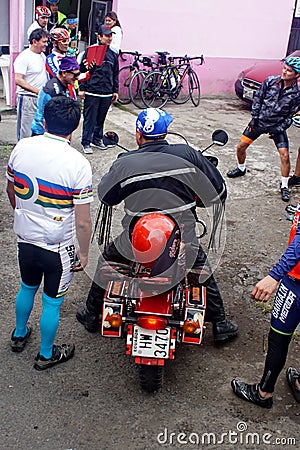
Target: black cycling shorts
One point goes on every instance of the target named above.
(280, 139)
(56, 267)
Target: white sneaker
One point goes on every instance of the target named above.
(87, 150)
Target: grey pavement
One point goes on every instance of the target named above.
(197, 125)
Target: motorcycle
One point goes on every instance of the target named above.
(155, 315)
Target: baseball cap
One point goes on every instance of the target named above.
(153, 122)
(68, 63)
(103, 29)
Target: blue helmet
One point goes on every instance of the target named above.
(294, 63)
(153, 122)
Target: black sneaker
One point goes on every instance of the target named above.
(236, 173)
(292, 375)
(89, 320)
(294, 181)
(285, 194)
(250, 393)
(99, 144)
(224, 331)
(19, 343)
(60, 354)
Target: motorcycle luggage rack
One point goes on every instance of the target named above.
(111, 271)
(153, 281)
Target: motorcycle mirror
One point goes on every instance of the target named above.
(219, 137)
(110, 138)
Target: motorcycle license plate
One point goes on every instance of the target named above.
(151, 343)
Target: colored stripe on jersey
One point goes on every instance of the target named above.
(53, 195)
(23, 186)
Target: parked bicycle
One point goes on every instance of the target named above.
(125, 74)
(138, 77)
(177, 82)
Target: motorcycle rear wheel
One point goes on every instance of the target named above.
(151, 377)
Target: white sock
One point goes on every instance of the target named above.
(242, 167)
(284, 182)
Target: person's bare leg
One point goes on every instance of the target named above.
(284, 162)
(241, 152)
(297, 168)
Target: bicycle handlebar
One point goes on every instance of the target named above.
(187, 58)
(136, 54)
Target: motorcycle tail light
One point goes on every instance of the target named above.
(189, 326)
(152, 323)
(115, 320)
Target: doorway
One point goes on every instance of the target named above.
(294, 40)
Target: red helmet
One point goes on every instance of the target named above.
(42, 11)
(149, 237)
(59, 34)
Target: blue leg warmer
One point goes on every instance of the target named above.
(49, 323)
(24, 304)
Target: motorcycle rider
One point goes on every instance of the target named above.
(163, 178)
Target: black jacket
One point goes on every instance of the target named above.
(163, 177)
(274, 106)
(105, 78)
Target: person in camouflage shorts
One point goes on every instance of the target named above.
(274, 104)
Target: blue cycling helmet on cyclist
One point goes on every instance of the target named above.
(153, 122)
(294, 63)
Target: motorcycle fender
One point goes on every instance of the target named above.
(160, 304)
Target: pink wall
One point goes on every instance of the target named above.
(231, 34)
(16, 36)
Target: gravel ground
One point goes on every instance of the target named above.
(94, 401)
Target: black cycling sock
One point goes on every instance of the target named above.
(278, 345)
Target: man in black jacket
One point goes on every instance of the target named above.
(99, 90)
(274, 104)
(170, 179)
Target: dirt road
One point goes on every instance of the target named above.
(94, 401)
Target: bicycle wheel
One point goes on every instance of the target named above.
(180, 94)
(135, 88)
(155, 89)
(125, 75)
(194, 87)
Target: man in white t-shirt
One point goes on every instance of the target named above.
(30, 77)
(50, 188)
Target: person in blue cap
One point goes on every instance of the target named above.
(61, 84)
(172, 180)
